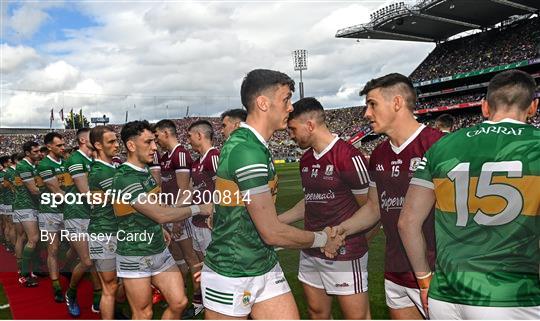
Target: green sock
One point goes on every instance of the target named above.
(97, 297)
(72, 292)
(56, 285)
(25, 263)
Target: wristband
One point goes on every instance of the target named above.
(319, 239)
(424, 281)
(195, 209)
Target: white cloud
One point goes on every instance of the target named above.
(195, 54)
(13, 58)
(26, 20)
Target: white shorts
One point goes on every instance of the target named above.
(400, 297)
(185, 231)
(2, 209)
(8, 210)
(136, 267)
(202, 237)
(236, 296)
(102, 248)
(25, 215)
(77, 225)
(51, 222)
(452, 311)
(335, 277)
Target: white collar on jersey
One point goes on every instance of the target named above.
(137, 168)
(25, 159)
(59, 163)
(104, 163)
(255, 132)
(326, 149)
(204, 156)
(172, 150)
(399, 149)
(80, 151)
(506, 120)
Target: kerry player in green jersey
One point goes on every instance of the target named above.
(483, 181)
(142, 253)
(103, 223)
(9, 226)
(77, 218)
(241, 274)
(52, 172)
(25, 207)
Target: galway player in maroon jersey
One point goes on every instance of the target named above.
(175, 166)
(335, 182)
(203, 175)
(390, 101)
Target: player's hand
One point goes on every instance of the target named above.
(176, 230)
(197, 275)
(333, 243)
(210, 221)
(338, 230)
(423, 283)
(206, 209)
(166, 237)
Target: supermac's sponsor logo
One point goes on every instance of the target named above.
(391, 203)
(318, 197)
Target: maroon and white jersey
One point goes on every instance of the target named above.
(117, 161)
(179, 160)
(330, 181)
(203, 174)
(391, 168)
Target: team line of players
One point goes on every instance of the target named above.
(482, 250)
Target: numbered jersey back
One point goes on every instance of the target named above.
(486, 180)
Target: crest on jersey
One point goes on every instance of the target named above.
(329, 170)
(414, 164)
(305, 170)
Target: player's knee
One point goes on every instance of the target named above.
(145, 313)
(86, 263)
(110, 287)
(318, 312)
(178, 304)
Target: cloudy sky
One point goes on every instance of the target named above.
(154, 59)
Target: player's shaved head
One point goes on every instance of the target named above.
(392, 85)
(166, 124)
(511, 89)
(204, 127)
(308, 107)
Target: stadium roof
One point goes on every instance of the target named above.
(437, 20)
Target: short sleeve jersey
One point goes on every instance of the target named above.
(178, 160)
(2, 189)
(100, 178)
(486, 181)
(49, 169)
(78, 164)
(391, 169)
(10, 178)
(26, 172)
(330, 181)
(245, 168)
(203, 174)
(134, 229)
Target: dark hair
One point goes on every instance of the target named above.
(15, 157)
(239, 113)
(134, 129)
(308, 105)
(81, 131)
(3, 160)
(446, 120)
(394, 80)
(96, 134)
(51, 136)
(512, 88)
(166, 124)
(27, 147)
(43, 149)
(204, 127)
(259, 80)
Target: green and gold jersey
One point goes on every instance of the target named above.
(2, 189)
(26, 172)
(137, 234)
(100, 178)
(486, 180)
(10, 179)
(49, 169)
(78, 164)
(245, 168)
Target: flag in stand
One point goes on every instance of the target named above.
(61, 112)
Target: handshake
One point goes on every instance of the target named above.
(335, 240)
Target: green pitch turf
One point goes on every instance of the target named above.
(289, 193)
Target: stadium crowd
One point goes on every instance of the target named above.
(496, 47)
(432, 102)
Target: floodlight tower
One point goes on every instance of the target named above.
(300, 63)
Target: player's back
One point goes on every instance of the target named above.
(487, 227)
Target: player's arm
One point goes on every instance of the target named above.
(295, 214)
(156, 174)
(30, 184)
(51, 182)
(182, 170)
(364, 218)
(81, 182)
(262, 210)
(418, 204)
